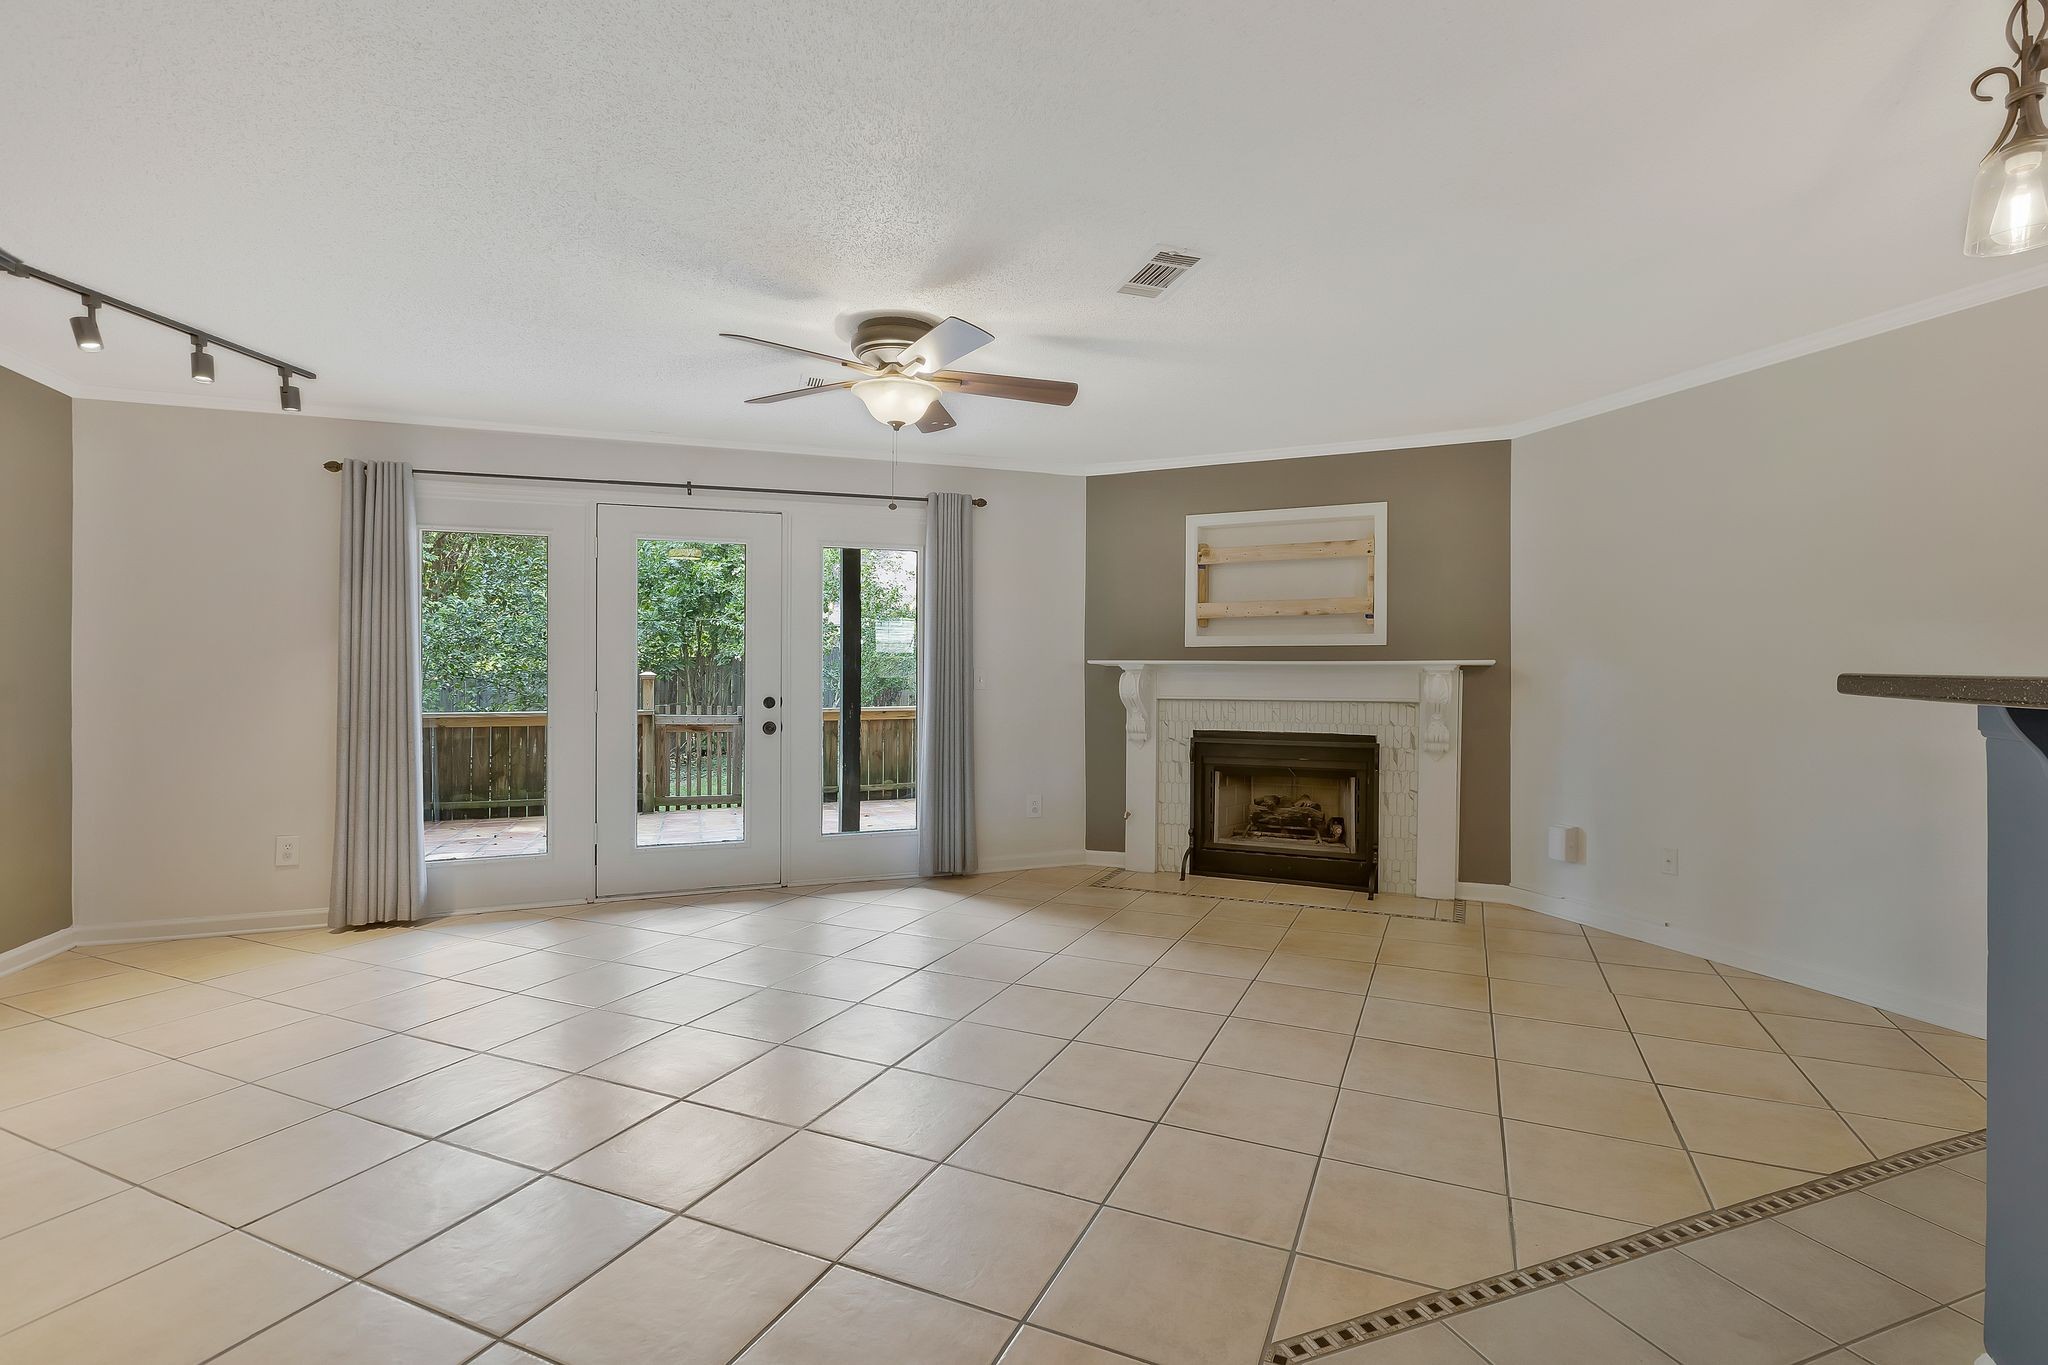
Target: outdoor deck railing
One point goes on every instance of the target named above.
(481, 765)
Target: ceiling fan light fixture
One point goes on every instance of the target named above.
(895, 400)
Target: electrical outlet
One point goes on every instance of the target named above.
(1670, 860)
(287, 850)
(1031, 810)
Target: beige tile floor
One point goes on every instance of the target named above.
(1021, 1117)
(1893, 1275)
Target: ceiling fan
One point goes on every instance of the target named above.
(906, 362)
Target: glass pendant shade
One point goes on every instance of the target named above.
(895, 400)
(2009, 203)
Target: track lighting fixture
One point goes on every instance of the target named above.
(85, 330)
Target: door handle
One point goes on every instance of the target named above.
(767, 727)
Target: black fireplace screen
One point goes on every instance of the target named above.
(1286, 807)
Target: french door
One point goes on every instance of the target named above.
(648, 699)
(505, 697)
(690, 716)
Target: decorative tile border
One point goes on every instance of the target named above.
(1420, 1312)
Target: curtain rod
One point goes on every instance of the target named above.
(690, 487)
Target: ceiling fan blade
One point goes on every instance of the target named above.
(799, 393)
(936, 418)
(815, 355)
(1055, 391)
(941, 346)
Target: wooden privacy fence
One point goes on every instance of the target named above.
(478, 766)
(888, 752)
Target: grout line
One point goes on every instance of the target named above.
(1500, 1098)
(1663, 1101)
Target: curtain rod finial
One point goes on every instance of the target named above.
(981, 502)
(332, 466)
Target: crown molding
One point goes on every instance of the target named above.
(1926, 310)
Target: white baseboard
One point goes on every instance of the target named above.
(1024, 862)
(211, 926)
(1846, 985)
(1103, 857)
(36, 949)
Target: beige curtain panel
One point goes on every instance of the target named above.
(380, 870)
(945, 690)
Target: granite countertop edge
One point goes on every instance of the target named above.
(2022, 692)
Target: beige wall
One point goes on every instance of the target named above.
(35, 660)
(207, 545)
(1447, 598)
(1691, 574)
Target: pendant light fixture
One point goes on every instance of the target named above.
(2009, 203)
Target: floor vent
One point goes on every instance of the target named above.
(1154, 277)
(1385, 1322)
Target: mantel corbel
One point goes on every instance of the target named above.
(1439, 690)
(1132, 689)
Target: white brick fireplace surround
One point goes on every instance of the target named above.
(1415, 709)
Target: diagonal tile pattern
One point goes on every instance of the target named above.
(1028, 1117)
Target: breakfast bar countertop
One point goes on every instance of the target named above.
(2023, 692)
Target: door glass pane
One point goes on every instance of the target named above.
(484, 693)
(878, 741)
(692, 692)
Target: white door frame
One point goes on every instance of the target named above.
(625, 867)
(809, 854)
(564, 873)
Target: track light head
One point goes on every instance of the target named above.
(85, 328)
(202, 363)
(287, 392)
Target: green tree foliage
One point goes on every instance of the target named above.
(483, 621)
(693, 604)
(888, 614)
(484, 618)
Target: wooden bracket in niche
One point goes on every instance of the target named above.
(1207, 555)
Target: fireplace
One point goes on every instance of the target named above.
(1285, 807)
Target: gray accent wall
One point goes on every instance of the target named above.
(1447, 598)
(35, 660)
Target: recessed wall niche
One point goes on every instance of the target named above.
(1293, 576)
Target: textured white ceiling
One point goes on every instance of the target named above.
(1418, 219)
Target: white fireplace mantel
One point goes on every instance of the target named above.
(1436, 686)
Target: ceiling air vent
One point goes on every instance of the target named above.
(1157, 274)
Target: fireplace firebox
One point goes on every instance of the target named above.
(1286, 807)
